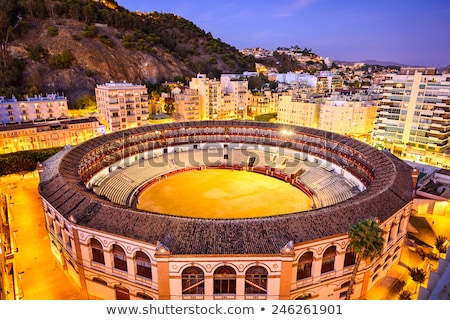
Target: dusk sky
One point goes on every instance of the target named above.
(408, 32)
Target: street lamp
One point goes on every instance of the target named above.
(415, 175)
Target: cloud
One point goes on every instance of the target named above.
(292, 7)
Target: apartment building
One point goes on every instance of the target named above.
(298, 109)
(226, 98)
(49, 134)
(122, 105)
(414, 115)
(235, 87)
(187, 104)
(210, 93)
(353, 115)
(262, 102)
(37, 108)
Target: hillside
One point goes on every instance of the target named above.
(94, 63)
(105, 43)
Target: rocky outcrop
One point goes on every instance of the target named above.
(94, 63)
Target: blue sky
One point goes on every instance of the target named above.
(404, 31)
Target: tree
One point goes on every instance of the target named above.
(441, 244)
(366, 242)
(418, 275)
(169, 106)
(63, 60)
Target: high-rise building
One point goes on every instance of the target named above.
(236, 88)
(122, 105)
(37, 108)
(187, 105)
(414, 115)
(210, 94)
(226, 98)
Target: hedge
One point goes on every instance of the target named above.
(24, 161)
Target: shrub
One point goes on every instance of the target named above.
(52, 31)
(24, 161)
(36, 52)
(63, 60)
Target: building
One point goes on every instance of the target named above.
(122, 105)
(414, 115)
(352, 115)
(37, 108)
(210, 93)
(298, 109)
(226, 98)
(187, 104)
(262, 102)
(49, 134)
(113, 251)
(438, 285)
(236, 88)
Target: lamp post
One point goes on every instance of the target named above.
(415, 175)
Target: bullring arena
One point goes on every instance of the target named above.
(222, 210)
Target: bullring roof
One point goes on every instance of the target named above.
(390, 190)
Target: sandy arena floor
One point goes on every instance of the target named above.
(223, 194)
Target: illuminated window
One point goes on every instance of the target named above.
(350, 258)
(143, 265)
(256, 281)
(193, 281)
(120, 258)
(304, 266)
(328, 259)
(97, 251)
(225, 281)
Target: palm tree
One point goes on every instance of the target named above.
(441, 244)
(418, 275)
(367, 243)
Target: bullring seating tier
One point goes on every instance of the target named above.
(122, 184)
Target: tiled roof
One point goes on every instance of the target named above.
(390, 190)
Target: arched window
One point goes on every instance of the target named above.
(328, 259)
(143, 265)
(193, 281)
(100, 281)
(304, 266)
(350, 258)
(256, 280)
(120, 258)
(122, 293)
(225, 281)
(143, 296)
(97, 251)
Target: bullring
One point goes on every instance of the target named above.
(113, 250)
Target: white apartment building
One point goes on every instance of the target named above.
(122, 105)
(414, 115)
(37, 108)
(210, 94)
(237, 89)
(187, 104)
(353, 115)
(226, 98)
